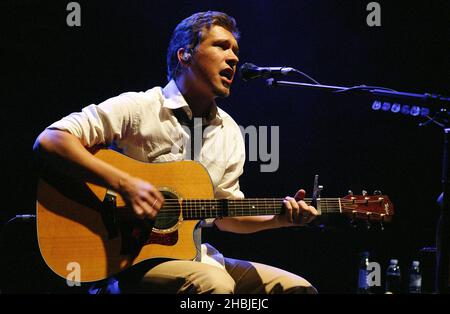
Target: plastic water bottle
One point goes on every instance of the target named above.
(393, 277)
(415, 278)
(363, 272)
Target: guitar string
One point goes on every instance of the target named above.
(258, 201)
(329, 205)
(192, 207)
(237, 204)
(196, 216)
(189, 214)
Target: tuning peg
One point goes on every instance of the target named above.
(364, 192)
(377, 192)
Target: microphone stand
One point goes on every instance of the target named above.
(372, 90)
(442, 279)
(443, 226)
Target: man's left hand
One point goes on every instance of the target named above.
(296, 211)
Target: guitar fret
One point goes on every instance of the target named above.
(324, 205)
(210, 209)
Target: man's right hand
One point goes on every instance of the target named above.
(64, 150)
(141, 196)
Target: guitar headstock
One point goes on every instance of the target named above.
(377, 208)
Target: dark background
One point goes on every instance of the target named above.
(50, 70)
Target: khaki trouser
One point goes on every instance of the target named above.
(239, 277)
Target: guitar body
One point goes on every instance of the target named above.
(86, 232)
(73, 225)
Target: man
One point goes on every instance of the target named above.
(202, 59)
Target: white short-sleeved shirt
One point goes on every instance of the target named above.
(143, 126)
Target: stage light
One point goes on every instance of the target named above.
(405, 109)
(424, 111)
(395, 108)
(415, 111)
(386, 106)
(376, 105)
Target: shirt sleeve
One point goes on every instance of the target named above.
(100, 124)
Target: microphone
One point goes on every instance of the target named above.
(249, 71)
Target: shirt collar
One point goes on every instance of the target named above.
(173, 99)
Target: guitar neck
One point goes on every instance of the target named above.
(205, 208)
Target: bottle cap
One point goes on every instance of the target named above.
(415, 263)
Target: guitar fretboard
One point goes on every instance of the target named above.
(203, 208)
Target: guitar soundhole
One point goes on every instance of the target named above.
(169, 214)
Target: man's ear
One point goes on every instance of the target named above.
(184, 55)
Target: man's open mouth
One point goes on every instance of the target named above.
(228, 74)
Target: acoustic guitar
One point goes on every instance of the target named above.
(87, 224)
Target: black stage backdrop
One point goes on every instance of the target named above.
(50, 69)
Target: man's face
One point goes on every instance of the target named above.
(214, 62)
